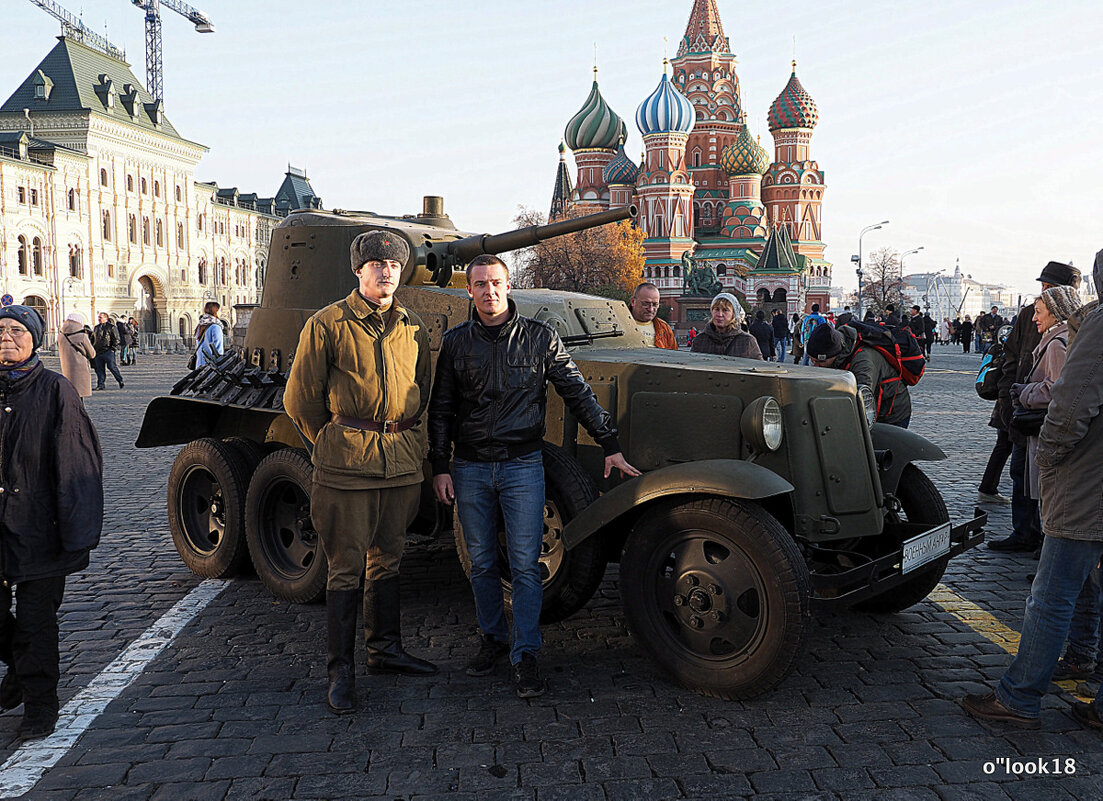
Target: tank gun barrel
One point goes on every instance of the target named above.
(463, 250)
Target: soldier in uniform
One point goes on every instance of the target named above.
(358, 389)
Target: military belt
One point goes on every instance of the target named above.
(384, 427)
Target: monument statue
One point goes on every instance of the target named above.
(699, 280)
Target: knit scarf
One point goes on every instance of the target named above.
(13, 372)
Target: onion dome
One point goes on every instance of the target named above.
(794, 107)
(621, 170)
(666, 110)
(744, 156)
(595, 125)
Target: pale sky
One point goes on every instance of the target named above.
(973, 126)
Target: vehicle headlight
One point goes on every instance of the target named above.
(761, 424)
(869, 405)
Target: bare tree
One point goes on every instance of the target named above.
(883, 281)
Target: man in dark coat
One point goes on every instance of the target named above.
(105, 338)
(892, 318)
(781, 334)
(1070, 462)
(1018, 360)
(763, 333)
(51, 513)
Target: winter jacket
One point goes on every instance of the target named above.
(1070, 445)
(76, 353)
(105, 337)
(781, 328)
(664, 335)
(1048, 358)
(1018, 359)
(209, 345)
(356, 360)
(965, 330)
(918, 327)
(872, 370)
(490, 392)
(732, 342)
(51, 479)
(763, 333)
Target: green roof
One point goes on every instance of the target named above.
(778, 256)
(85, 79)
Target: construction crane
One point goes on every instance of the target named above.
(154, 63)
(75, 29)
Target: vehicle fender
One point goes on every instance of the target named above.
(730, 478)
(906, 447)
(172, 420)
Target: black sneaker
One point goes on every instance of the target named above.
(1073, 668)
(121, 385)
(38, 722)
(526, 677)
(490, 653)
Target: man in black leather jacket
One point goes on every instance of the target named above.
(1018, 360)
(489, 398)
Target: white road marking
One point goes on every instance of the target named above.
(25, 767)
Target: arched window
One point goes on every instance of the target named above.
(145, 187)
(76, 266)
(145, 230)
(107, 227)
(696, 158)
(36, 252)
(160, 234)
(23, 257)
(179, 234)
(130, 183)
(72, 200)
(103, 177)
(157, 189)
(178, 194)
(203, 271)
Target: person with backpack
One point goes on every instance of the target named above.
(208, 335)
(808, 325)
(988, 388)
(845, 349)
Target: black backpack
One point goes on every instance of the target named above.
(988, 378)
(898, 345)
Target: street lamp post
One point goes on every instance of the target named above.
(901, 284)
(859, 271)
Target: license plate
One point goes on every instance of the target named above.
(925, 548)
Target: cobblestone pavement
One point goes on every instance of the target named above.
(234, 707)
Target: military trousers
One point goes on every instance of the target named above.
(363, 532)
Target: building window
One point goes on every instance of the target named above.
(200, 222)
(145, 187)
(180, 235)
(203, 272)
(76, 266)
(178, 194)
(37, 256)
(107, 226)
(22, 258)
(111, 271)
(157, 189)
(145, 230)
(160, 234)
(103, 177)
(130, 183)
(132, 229)
(21, 193)
(34, 197)
(72, 200)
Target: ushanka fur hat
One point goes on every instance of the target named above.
(378, 246)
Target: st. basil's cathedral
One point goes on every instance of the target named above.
(705, 184)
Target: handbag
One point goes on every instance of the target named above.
(1028, 422)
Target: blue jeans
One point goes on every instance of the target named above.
(516, 486)
(103, 362)
(1062, 570)
(1085, 644)
(807, 357)
(1026, 524)
(779, 350)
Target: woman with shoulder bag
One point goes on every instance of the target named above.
(1052, 310)
(76, 353)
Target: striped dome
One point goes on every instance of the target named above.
(744, 156)
(595, 125)
(794, 107)
(621, 170)
(666, 110)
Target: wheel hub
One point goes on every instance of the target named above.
(700, 600)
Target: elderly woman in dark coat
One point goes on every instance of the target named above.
(51, 512)
(723, 335)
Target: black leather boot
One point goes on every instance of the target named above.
(383, 632)
(341, 608)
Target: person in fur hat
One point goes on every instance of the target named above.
(51, 514)
(723, 335)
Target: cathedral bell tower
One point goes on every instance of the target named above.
(593, 135)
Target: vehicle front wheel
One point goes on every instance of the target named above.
(717, 593)
(283, 544)
(920, 502)
(206, 503)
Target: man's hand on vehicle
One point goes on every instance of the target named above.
(617, 460)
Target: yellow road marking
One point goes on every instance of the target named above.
(986, 625)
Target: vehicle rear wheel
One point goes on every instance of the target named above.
(920, 502)
(206, 506)
(570, 578)
(717, 593)
(283, 544)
